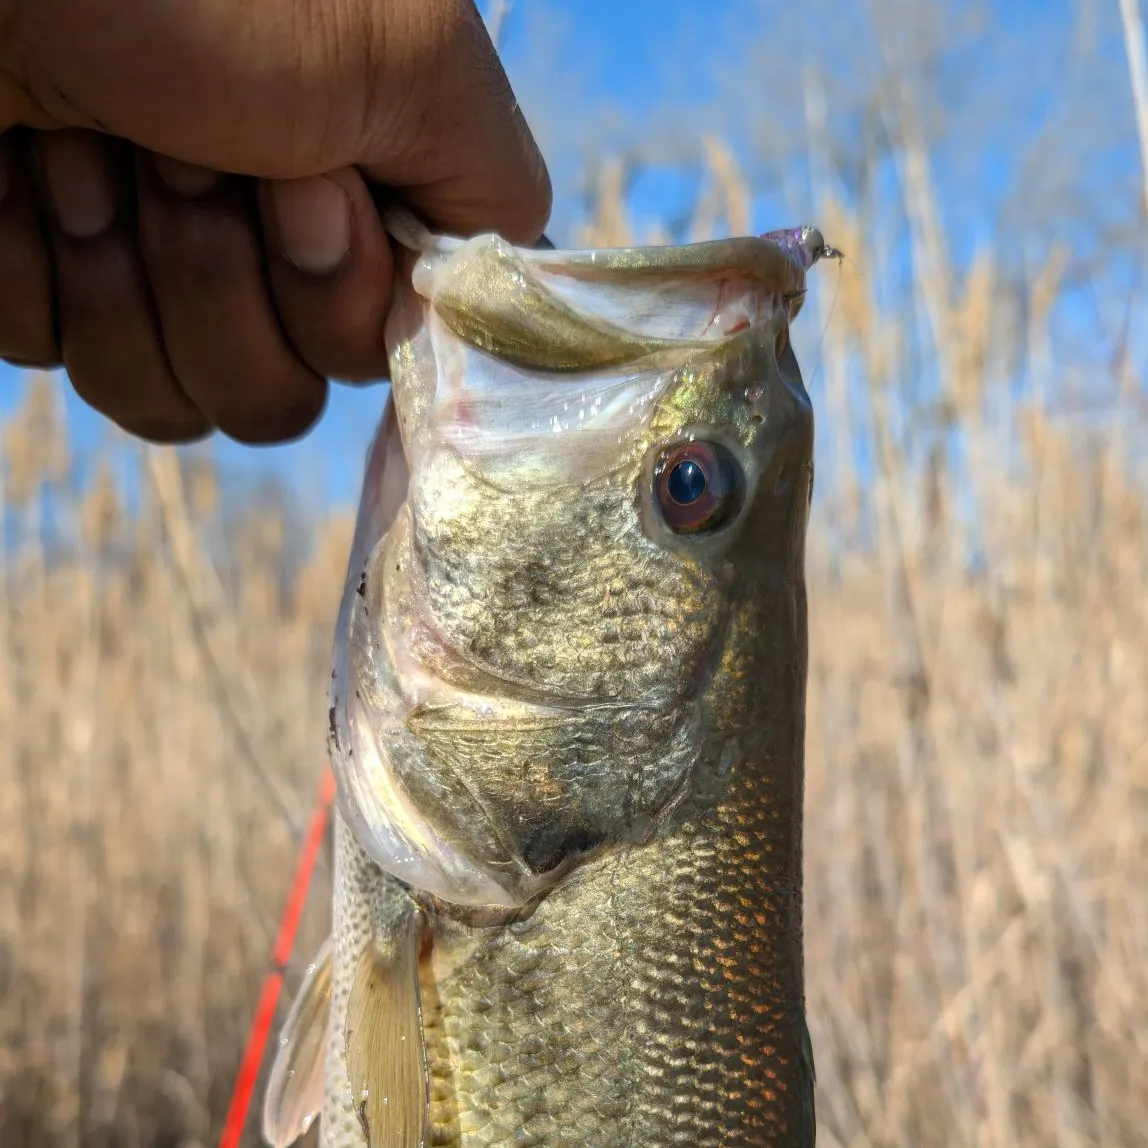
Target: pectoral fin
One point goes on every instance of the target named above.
(386, 1059)
(294, 1095)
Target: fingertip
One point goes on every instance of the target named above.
(285, 421)
(459, 150)
(331, 268)
(538, 203)
(513, 198)
(107, 328)
(312, 221)
(79, 182)
(531, 213)
(520, 207)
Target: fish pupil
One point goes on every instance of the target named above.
(687, 482)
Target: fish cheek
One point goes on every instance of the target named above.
(617, 637)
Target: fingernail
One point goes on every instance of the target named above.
(313, 217)
(79, 182)
(186, 179)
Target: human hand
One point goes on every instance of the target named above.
(181, 299)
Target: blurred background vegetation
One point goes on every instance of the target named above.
(977, 795)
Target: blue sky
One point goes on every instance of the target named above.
(652, 75)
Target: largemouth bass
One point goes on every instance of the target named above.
(567, 713)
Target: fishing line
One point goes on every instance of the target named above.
(839, 257)
(269, 994)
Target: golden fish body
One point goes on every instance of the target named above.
(568, 714)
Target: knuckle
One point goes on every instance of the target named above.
(349, 355)
(152, 411)
(272, 421)
(42, 356)
(166, 430)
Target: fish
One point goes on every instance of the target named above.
(567, 712)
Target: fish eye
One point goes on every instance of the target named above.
(698, 486)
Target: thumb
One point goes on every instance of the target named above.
(410, 91)
(445, 131)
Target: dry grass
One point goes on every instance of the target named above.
(142, 857)
(977, 825)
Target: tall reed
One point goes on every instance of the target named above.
(977, 801)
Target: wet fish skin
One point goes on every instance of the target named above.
(570, 740)
(655, 997)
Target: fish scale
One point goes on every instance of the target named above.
(568, 714)
(661, 986)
